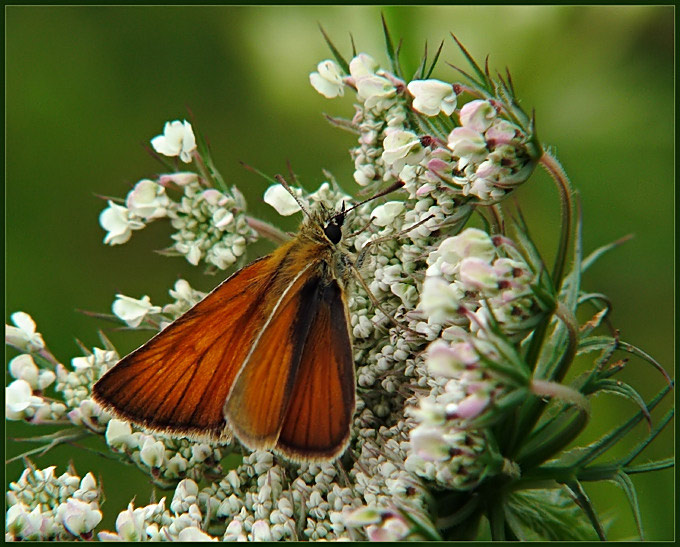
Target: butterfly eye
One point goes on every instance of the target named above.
(332, 229)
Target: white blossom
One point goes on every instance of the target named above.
(20, 403)
(147, 200)
(328, 80)
(118, 433)
(78, 517)
(23, 335)
(362, 65)
(401, 147)
(177, 140)
(133, 311)
(281, 200)
(119, 223)
(194, 533)
(430, 97)
(152, 453)
(384, 215)
(477, 115)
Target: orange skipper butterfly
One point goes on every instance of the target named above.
(267, 355)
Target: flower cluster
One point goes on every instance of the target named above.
(210, 224)
(165, 458)
(473, 279)
(42, 506)
(153, 522)
(455, 329)
(484, 155)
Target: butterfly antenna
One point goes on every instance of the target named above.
(283, 183)
(388, 190)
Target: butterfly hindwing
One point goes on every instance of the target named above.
(317, 422)
(258, 401)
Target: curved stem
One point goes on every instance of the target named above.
(556, 171)
(267, 230)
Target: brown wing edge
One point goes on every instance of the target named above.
(331, 300)
(220, 433)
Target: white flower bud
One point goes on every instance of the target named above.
(193, 533)
(118, 433)
(116, 220)
(384, 215)
(152, 453)
(22, 367)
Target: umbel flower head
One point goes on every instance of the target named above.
(462, 340)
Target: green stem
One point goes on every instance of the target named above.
(267, 230)
(555, 170)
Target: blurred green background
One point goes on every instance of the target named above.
(87, 87)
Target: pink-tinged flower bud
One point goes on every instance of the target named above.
(473, 405)
(477, 115)
(180, 179)
(501, 132)
(450, 361)
(467, 144)
(428, 443)
(393, 528)
(478, 274)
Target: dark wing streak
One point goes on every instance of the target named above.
(178, 405)
(272, 315)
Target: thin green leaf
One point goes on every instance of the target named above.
(622, 389)
(604, 443)
(83, 347)
(108, 345)
(648, 440)
(478, 86)
(338, 56)
(551, 440)
(420, 525)
(463, 514)
(501, 406)
(497, 520)
(420, 71)
(391, 53)
(628, 488)
(581, 498)
(546, 515)
(480, 73)
(597, 253)
(634, 350)
(658, 465)
(55, 439)
(434, 61)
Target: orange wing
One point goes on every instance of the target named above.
(256, 404)
(179, 380)
(317, 422)
(295, 392)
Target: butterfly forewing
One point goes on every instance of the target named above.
(178, 381)
(317, 421)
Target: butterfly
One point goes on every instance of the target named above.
(266, 356)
